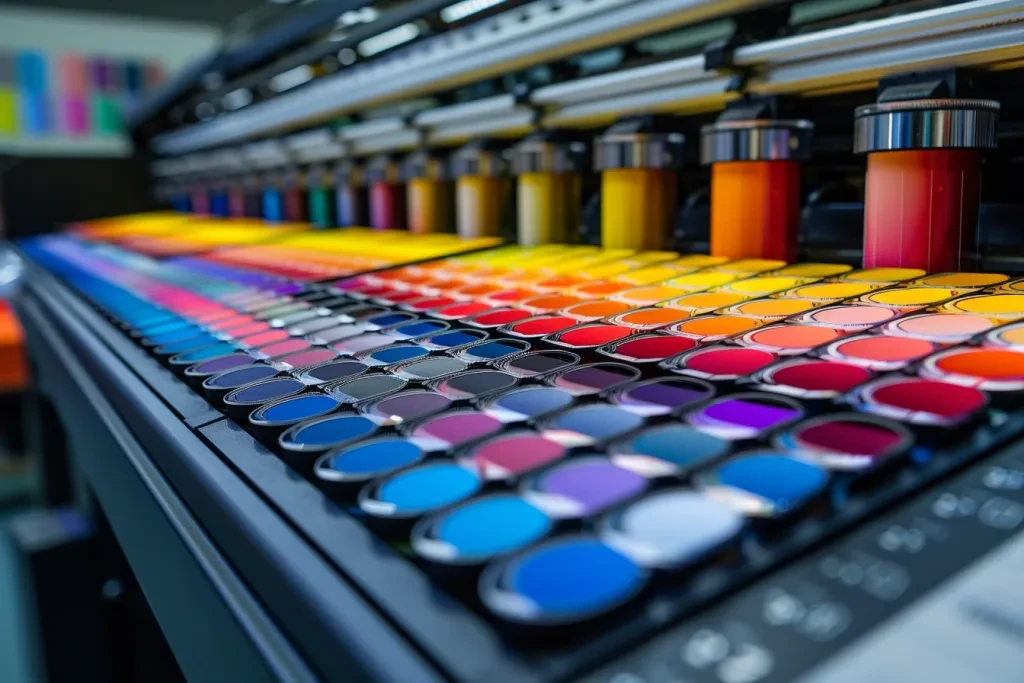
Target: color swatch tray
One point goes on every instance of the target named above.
(562, 438)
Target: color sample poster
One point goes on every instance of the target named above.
(69, 95)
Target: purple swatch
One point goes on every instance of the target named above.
(586, 487)
(748, 414)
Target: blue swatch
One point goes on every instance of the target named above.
(297, 408)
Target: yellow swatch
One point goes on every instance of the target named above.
(773, 308)
(649, 295)
(999, 305)
(705, 302)
(750, 265)
(765, 285)
(8, 111)
(815, 269)
(910, 296)
(962, 280)
(884, 274)
(831, 291)
(699, 261)
(695, 282)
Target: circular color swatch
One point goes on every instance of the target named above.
(850, 316)
(644, 296)
(430, 368)
(587, 425)
(999, 306)
(369, 460)
(884, 275)
(662, 396)
(672, 529)
(332, 371)
(815, 269)
(511, 456)
(380, 322)
(526, 404)
(418, 329)
(365, 388)
(451, 340)
(589, 336)
(538, 363)
(583, 487)
(881, 352)
(221, 364)
(810, 378)
(766, 483)
(744, 416)
(718, 363)
(649, 348)
(944, 328)
(493, 350)
(705, 302)
(454, 429)
(480, 530)
(283, 348)
(407, 406)
(302, 359)
(463, 309)
(327, 433)
(475, 383)
(499, 317)
(352, 345)
(543, 586)
(923, 401)
(649, 318)
(233, 379)
(909, 297)
(595, 378)
(542, 326)
(771, 308)
(419, 490)
(294, 409)
(399, 353)
(592, 310)
(830, 291)
(264, 391)
(713, 327)
(666, 451)
(962, 280)
(761, 286)
(551, 302)
(847, 442)
(195, 342)
(1011, 336)
(790, 339)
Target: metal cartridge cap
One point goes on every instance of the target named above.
(756, 140)
(926, 124)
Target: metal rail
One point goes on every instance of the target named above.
(515, 39)
(982, 32)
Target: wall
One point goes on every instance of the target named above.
(175, 43)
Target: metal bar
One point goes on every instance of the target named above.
(985, 47)
(507, 124)
(389, 142)
(704, 96)
(618, 82)
(499, 104)
(357, 131)
(968, 16)
(973, 33)
(514, 39)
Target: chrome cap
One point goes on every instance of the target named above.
(756, 140)
(926, 124)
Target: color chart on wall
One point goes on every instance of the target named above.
(69, 95)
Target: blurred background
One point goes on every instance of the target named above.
(69, 72)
